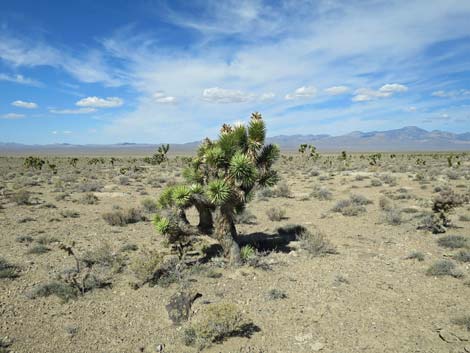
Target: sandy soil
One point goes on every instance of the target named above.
(366, 298)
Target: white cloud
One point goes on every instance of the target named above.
(73, 111)
(20, 79)
(161, 97)
(337, 90)
(410, 109)
(302, 92)
(96, 102)
(392, 88)
(12, 116)
(23, 104)
(387, 90)
(221, 95)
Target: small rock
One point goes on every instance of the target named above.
(317, 346)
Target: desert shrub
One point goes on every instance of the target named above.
(129, 247)
(276, 214)
(265, 193)
(393, 216)
(124, 180)
(443, 268)
(8, 270)
(360, 200)
(462, 256)
(282, 190)
(452, 241)
(39, 249)
(215, 323)
(315, 243)
(375, 182)
(89, 199)
(462, 321)
(410, 210)
(46, 239)
(153, 269)
(388, 179)
(21, 197)
(385, 203)
(90, 186)
(348, 208)
(59, 289)
(415, 255)
(464, 218)
(103, 256)
(321, 193)
(24, 239)
(149, 205)
(275, 294)
(245, 217)
(122, 217)
(69, 214)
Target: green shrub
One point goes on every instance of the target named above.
(275, 294)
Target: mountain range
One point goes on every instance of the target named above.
(410, 138)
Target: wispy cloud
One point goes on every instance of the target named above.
(23, 104)
(20, 79)
(72, 111)
(13, 116)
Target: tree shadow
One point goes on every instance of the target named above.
(273, 242)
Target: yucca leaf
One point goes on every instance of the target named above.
(218, 192)
(268, 155)
(166, 198)
(181, 195)
(162, 224)
(268, 178)
(214, 156)
(242, 169)
(257, 131)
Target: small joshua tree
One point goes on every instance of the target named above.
(33, 162)
(158, 157)
(219, 183)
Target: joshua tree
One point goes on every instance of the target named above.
(73, 162)
(219, 183)
(158, 157)
(34, 162)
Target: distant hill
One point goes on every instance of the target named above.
(410, 138)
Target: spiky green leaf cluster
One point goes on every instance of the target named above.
(218, 192)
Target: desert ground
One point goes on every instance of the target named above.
(319, 274)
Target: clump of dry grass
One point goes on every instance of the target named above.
(216, 323)
(276, 214)
(123, 217)
(315, 243)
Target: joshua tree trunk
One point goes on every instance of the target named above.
(206, 224)
(226, 233)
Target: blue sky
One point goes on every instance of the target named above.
(174, 71)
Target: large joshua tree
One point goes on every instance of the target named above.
(218, 183)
